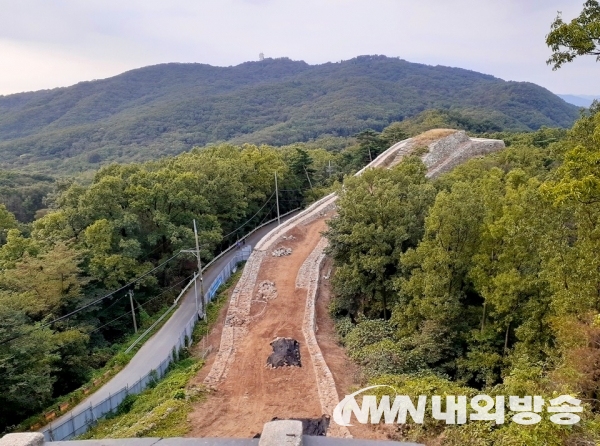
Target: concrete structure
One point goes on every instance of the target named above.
(275, 433)
(282, 433)
(26, 439)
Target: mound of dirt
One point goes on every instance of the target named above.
(286, 352)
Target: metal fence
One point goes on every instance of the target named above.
(78, 424)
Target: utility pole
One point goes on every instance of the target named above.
(132, 310)
(196, 290)
(199, 269)
(277, 200)
(307, 177)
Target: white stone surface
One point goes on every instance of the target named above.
(236, 320)
(309, 276)
(281, 433)
(282, 252)
(25, 439)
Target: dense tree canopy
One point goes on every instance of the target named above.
(167, 109)
(129, 220)
(492, 284)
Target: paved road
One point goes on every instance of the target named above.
(156, 349)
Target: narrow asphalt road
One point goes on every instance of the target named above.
(159, 346)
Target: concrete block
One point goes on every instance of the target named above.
(25, 439)
(281, 433)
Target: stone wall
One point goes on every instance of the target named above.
(309, 277)
(449, 152)
(236, 320)
(443, 155)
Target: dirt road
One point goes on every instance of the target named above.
(252, 394)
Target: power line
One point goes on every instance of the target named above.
(267, 215)
(108, 323)
(250, 219)
(94, 302)
(124, 287)
(141, 307)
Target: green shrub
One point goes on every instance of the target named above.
(343, 326)
(365, 333)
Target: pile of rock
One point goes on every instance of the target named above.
(281, 252)
(288, 237)
(266, 291)
(286, 353)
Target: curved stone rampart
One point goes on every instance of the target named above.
(236, 320)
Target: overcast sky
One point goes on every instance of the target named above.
(52, 43)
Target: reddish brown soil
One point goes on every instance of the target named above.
(346, 373)
(252, 394)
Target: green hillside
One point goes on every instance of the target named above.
(167, 109)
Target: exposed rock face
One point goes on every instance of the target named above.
(450, 151)
(286, 352)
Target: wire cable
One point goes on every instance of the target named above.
(140, 306)
(94, 302)
(124, 287)
(250, 219)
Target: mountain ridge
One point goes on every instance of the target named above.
(169, 108)
(578, 99)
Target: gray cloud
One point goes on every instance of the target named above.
(47, 44)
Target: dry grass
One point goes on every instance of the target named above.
(424, 139)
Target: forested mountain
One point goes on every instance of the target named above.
(167, 109)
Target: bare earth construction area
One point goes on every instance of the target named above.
(284, 292)
(250, 393)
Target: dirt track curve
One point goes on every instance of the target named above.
(245, 393)
(252, 394)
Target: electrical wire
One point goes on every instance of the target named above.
(108, 323)
(250, 219)
(140, 306)
(94, 302)
(124, 287)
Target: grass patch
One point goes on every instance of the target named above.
(162, 411)
(426, 138)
